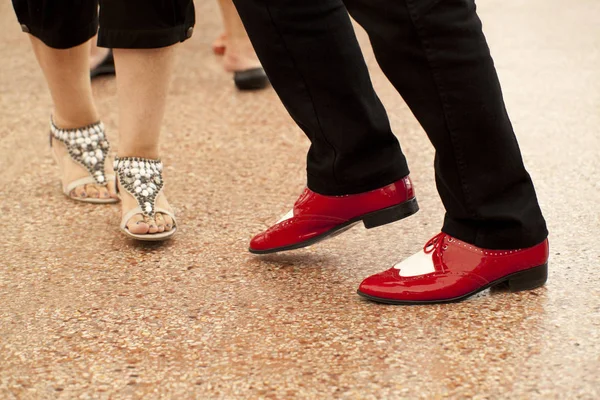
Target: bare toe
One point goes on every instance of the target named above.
(137, 225)
(160, 221)
(112, 189)
(103, 192)
(153, 226)
(92, 191)
(79, 192)
(168, 222)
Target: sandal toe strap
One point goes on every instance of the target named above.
(142, 179)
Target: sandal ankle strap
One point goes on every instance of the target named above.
(87, 145)
(142, 179)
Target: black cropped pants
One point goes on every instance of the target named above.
(128, 24)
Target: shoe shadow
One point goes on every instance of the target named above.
(500, 288)
(149, 245)
(294, 260)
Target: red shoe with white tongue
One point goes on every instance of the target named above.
(449, 270)
(316, 217)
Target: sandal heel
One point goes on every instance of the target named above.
(529, 279)
(391, 214)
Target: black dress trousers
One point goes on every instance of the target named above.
(130, 24)
(436, 56)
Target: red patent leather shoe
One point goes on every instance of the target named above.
(316, 217)
(449, 270)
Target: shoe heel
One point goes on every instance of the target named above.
(528, 279)
(391, 214)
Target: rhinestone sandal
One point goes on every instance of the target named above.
(142, 179)
(88, 147)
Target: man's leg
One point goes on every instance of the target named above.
(356, 170)
(310, 52)
(435, 54)
(437, 57)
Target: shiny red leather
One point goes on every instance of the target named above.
(315, 214)
(460, 270)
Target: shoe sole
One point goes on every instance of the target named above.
(370, 220)
(92, 200)
(528, 279)
(251, 79)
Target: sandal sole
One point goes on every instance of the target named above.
(151, 237)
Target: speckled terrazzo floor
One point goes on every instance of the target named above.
(85, 313)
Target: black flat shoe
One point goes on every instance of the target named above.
(106, 67)
(251, 79)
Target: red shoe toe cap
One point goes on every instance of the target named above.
(382, 284)
(259, 242)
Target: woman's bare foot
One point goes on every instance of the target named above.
(140, 185)
(139, 224)
(71, 171)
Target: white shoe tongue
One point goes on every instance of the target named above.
(415, 265)
(287, 216)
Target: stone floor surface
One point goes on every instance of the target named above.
(85, 313)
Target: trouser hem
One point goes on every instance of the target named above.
(494, 238)
(143, 39)
(326, 188)
(60, 40)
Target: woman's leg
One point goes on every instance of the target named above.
(142, 82)
(143, 35)
(68, 78)
(239, 54)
